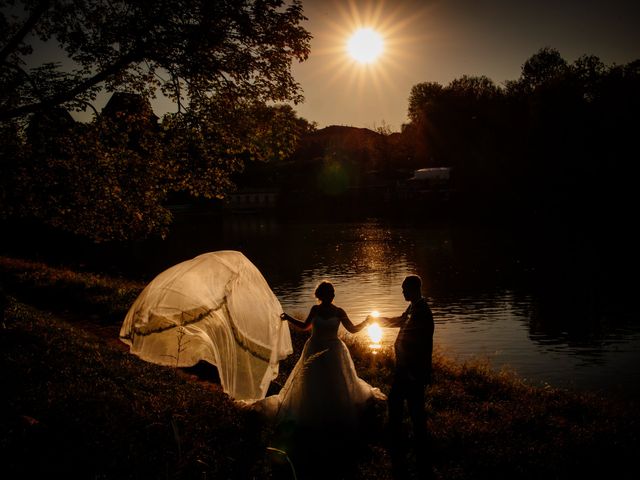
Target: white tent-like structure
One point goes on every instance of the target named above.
(218, 308)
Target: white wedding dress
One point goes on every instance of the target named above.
(323, 390)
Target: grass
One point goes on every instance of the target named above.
(76, 404)
(79, 407)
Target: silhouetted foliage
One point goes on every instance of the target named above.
(556, 143)
(110, 179)
(187, 48)
(558, 140)
(222, 63)
(331, 160)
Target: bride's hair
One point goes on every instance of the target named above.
(325, 291)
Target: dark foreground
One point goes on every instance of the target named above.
(77, 405)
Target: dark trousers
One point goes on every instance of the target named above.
(407, 387)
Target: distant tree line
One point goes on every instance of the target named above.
(561, 138)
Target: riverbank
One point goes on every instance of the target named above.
(77, 404)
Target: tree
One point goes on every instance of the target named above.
(188, 49)
(546, 66)
(560, 140)
(454, 120)
(221, 61)
(423, 99)
(425, 113)
(100, 180)
(588, 73)
(473, 88)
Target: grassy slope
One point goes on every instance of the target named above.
(81, 406)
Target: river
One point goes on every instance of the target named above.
(553, 304)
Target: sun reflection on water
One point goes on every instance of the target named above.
(375, 334)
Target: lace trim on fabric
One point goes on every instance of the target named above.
(158, 324)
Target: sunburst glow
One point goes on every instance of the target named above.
(365, 45)
(375, 332)
(366, 50)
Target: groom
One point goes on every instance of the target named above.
(413, 349)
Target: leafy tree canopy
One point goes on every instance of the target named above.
(224, 63)
(189, 49)
(544, 66)
(560, 134)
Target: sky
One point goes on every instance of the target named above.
(440, 40)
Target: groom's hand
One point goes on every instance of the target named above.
(383, 321)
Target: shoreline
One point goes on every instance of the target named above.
(89, 407)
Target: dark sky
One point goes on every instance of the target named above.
(439, 40)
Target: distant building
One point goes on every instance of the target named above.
(432, 178)
(47, 125)
(427, 183)
(124, 103)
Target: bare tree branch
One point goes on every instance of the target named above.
(71, 94)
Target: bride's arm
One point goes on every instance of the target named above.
(306, 325)
(348, 324)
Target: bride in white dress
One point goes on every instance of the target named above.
(323, 391)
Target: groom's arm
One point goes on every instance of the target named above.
(391, 322)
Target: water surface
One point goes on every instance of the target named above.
(552, 304)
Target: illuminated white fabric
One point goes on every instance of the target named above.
(217, 308)
(323, 390)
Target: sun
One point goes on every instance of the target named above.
(365, 45)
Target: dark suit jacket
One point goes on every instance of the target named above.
(414, 344)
